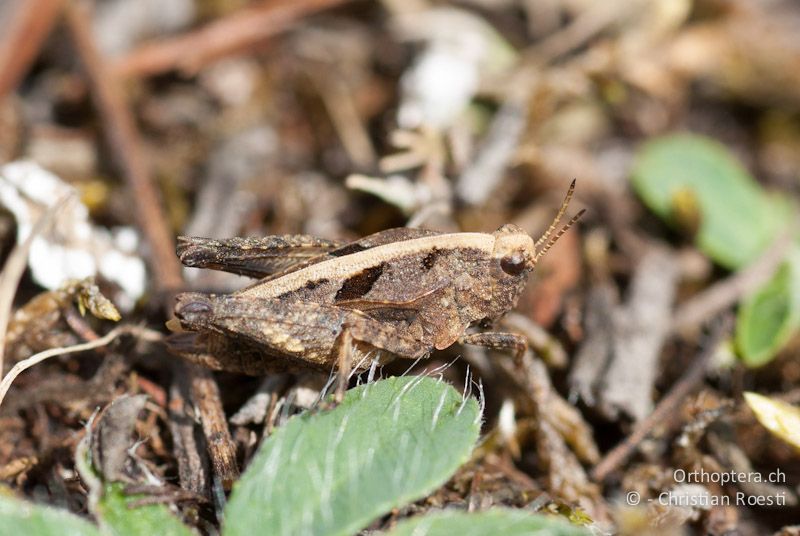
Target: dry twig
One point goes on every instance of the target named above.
(227, 36)
(730, 290)
(27, 25)
(640, 328)
(192, 461)
(221, 448)
(682, 388)
(25, 364)
(484, 173)
(124, 141)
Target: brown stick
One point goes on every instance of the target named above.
(124, 141)
(221, 448)
(80, 326)
(725, 293)
(229, 35)
(682, 388)
(192, 460)
(27, 25)
(640, 329)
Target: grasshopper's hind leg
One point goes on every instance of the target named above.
(304, 333)
(499, 341)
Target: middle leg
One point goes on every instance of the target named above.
(499, 341)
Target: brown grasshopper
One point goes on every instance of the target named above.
(397, 293)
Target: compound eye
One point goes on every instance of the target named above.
(513, 264)
(193, 308)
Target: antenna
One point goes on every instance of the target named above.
(561, 212)
(547, 238)
(558, 235)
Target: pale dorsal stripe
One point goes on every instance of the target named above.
(341, 268)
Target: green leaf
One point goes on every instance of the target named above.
(23, 517)
(122, 520)
(489, 523)
(736, 219)
(771, 316)
(389, 443)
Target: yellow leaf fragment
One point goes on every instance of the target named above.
(686, 211)
(88, 297)
(780, 418)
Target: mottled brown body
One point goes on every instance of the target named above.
(401, 292)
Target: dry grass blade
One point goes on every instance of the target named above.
(15, 267)
(25, 364)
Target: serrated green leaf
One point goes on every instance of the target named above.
(737, 220)
(771, 316)
(119, 519)
(389, 443)
(23, 517)
(489, 523)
